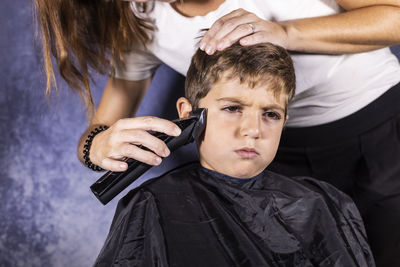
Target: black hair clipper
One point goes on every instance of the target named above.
(112, 183)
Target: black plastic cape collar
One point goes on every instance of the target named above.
(189, 217)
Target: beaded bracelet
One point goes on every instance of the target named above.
(88, 144)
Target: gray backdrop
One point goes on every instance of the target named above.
(48, 217)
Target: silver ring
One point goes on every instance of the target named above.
(253, 28)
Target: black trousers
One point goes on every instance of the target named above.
(359, 154)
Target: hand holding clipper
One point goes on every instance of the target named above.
(112, 183)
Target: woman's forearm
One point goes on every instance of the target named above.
(126, 136)
(365, 26)
(120, 99)
(356, 30)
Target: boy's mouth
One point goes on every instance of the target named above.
(247, 153)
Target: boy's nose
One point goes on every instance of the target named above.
(250, 126)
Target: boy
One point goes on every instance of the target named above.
(228, 210)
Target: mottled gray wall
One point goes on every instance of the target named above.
(48, 217)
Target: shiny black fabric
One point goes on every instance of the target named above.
(191, 217)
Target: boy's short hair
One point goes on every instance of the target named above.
(266, 62)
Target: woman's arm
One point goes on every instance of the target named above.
(366, 25)
(118, 104)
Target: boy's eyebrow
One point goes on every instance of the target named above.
(242, 103)
(232, 99)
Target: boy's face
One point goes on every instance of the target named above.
(243, 129)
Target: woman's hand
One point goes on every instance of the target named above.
(244, 26)
(123, 138)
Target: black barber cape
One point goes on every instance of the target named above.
(195, 217)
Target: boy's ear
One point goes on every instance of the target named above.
(286, 119)
(184, 107)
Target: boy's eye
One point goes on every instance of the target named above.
(232, 109)
(273, 115)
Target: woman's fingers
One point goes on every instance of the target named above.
(149, 124)
(241, 25)
(130, 144)
(131, 133)
(143, 138)
(129, 138)
(114, 165)
(237, 34)
(140, 154)
(227, 23)
(224, 21)
(267, 32)
(221, 28)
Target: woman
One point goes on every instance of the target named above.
(341, 71)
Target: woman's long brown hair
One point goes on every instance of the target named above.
(84, 35)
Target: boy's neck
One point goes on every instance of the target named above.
(230, 178)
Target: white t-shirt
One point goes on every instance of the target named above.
(329, 87)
